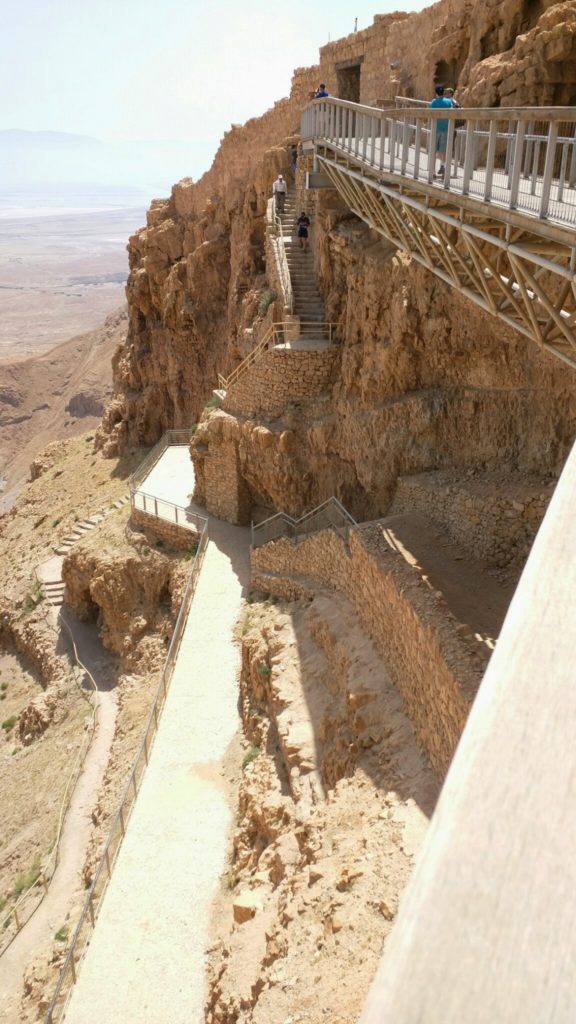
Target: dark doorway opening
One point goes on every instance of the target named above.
(348, 80)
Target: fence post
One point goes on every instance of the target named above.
(517, 164)
(548, 169)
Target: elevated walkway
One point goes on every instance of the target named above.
(498, 224)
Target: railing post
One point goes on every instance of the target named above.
(562, 175)
(468, 158)
(432, 150)
(417, 145)
(572, 171)
(548, 169)
(490, 160)
(404, 153)
(392, 145)
(449, 148)
(517, 164)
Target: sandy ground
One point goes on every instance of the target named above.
(169, 866)
(61, 274)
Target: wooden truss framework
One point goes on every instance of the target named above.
(517, 273)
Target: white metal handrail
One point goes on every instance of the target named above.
(275, 336)
(518, 158)
(167, 510)
(281, 255)
(331, 513)
(103, 871)
(169, 437)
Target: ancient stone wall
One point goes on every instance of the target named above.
(500, 53)
(281, 376)
(177, 537)
(433, 660)
(496, 519)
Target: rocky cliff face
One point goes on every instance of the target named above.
(197, 277)
(425, 380)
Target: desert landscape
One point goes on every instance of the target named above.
(61, 273)
(268, 519)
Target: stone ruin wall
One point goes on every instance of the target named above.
(433, 660)
(279, 377)
(498, 526)
(177, 537)
(500, 53)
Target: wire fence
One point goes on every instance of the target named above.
(117, 831)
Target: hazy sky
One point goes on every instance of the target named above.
(160, 69)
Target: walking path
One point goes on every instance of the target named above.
(145, 961)
(66, 885)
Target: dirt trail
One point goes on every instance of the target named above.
(66, 887)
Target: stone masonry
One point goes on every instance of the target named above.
(434, 660)
(177, 537)
(495, 518)
(279, 377)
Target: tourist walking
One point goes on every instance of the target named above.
(440, 100)
(279, 190)
(293, 159)
(303, 223)
(449, 93)
(321, 92)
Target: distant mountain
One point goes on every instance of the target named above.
(32, 159)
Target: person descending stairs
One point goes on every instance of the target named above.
(308, 302)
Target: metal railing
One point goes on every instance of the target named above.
(170, 437)
(330, 514)
(109, 854)
(407, 101)
(275, 336)
(167, 510)
(281, 258)
(518, 158)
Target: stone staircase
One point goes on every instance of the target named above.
(86, 525)
(308, 302)
(51, 577)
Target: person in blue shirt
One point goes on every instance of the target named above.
(440, 100)
(321, 92)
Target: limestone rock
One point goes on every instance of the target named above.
(245, 906)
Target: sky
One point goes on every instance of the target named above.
(159, 70)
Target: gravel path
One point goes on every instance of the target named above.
(146, 959)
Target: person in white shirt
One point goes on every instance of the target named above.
(279, 190)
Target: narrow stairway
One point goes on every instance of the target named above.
(308, 302)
